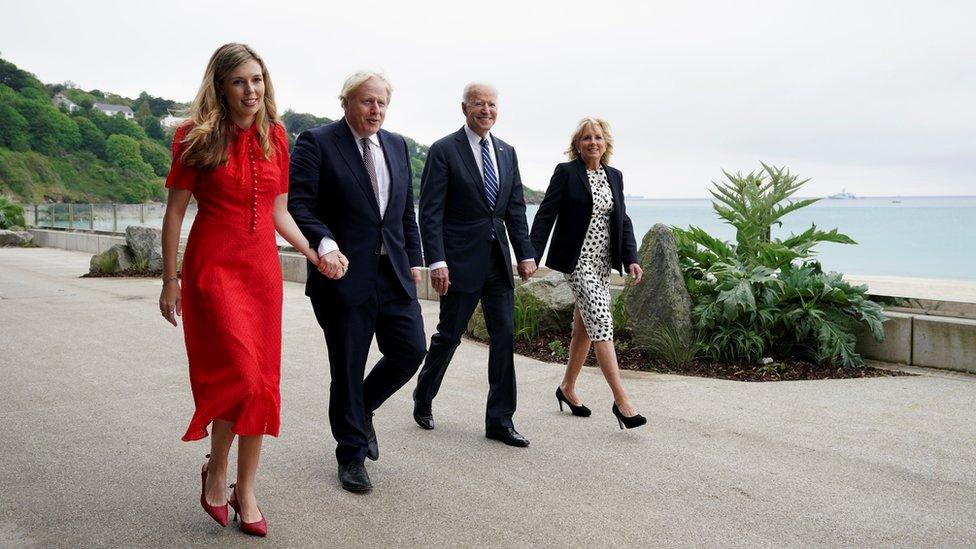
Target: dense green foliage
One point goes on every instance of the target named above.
(49, 154)
(11, 214)
(766, 297)
(86, 156)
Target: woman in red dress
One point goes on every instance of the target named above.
(232, 156)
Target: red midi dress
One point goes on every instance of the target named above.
(231, 287)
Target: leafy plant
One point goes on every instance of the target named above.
(763, 295)
(672, 346)
(527, 314)
(619, 314)
(11, 214)
(558, 349)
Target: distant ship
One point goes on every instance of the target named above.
(843, 195)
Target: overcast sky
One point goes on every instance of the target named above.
(874, 97)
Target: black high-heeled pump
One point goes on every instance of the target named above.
(630, 422)
(581, 411)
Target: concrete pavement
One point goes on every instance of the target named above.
(95, 397)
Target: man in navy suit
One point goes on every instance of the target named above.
(470, 197)
(351, 195)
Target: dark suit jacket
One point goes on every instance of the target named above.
(456, 223)
(569, 204)
(330, 195)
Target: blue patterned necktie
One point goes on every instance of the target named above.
(491, 180)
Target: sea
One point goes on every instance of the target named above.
(922, 237)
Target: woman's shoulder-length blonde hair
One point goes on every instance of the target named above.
(581, 129)
(209, 131)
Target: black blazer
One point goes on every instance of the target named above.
(569, 204)
(330, 195)
(456, 224)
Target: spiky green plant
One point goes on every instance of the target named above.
(764, 296)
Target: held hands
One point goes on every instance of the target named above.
(526, 269)
(636, 273)
(333, 264)
(169, 301)
(440, 280)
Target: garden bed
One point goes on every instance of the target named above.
(632, 359)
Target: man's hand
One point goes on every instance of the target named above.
(636, 273)
(440, 280)
(417, 277)
(526, 269)
(333, 264)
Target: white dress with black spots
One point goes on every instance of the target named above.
(590, 280)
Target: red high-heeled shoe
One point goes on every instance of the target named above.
(259, 528)
(217, 512)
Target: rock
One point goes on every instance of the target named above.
(549, 298)
(146, 245)
(661, 299)
(15, 238)
(111, 261)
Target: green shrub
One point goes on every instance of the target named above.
(124, 152)
(672, 346)
(155, 155)
(763, 296)
(13, 129)
(526, 316)
(92, 138)
(11, 214)
(558, 349)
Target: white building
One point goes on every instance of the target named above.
(170, 121)
(61, 101)
(112, 110)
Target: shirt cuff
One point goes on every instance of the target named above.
(437, 265)
(527, 260)
(417, 268)
(327, 245)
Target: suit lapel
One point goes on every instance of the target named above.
(501, 156)
(467, 157)
(584, 179)
(394, 166)
(346, 143)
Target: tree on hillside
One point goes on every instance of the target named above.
(297, 122)
(51, 131)
(155, 155)
(13, 129)
(143, 111)
(92, 138)
(124, 152)
(150, 124)
(111, 125)
(18, 79)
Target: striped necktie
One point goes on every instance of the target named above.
(491, 180)
(371, 171)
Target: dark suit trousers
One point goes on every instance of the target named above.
(498, 303)
(396, 321)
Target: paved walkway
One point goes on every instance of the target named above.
(95, 397)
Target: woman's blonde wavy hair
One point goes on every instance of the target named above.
(585, 124)
(207, 143)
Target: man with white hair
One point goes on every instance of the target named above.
(352, 197)
(470, 198)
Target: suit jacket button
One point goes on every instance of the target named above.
(376, 252)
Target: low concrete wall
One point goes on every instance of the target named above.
(948, 343)
(897, 345)
(79, 241)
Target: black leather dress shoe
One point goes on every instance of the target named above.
(508, 435)
(423, 415)
(372, 447)
(353, 477)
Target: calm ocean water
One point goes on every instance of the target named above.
(925, 237)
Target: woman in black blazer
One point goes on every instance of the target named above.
(585, 201)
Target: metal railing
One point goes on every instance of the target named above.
(113, 218)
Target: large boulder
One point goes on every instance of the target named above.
(548, 298)
(661, 299)
(113, 260)
(146, 244)
(15, 238)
